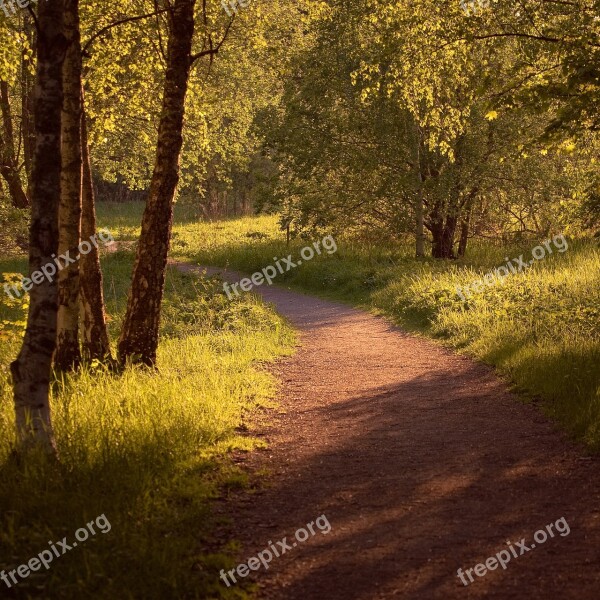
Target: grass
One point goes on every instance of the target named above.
(149, 451)
(541, 328)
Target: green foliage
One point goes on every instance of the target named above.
(408, 54)
(124, 75)
(12, 41)
(398, 107)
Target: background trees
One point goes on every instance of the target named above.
(169, 36)
(398, 107)
(376, 119)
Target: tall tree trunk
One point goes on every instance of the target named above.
(419, 205)
(419, 227)
(95, 344)
(447, 215)
(9, 161)
(442, 232)
(437, 243)
(437, 229)
(68, 356)
(31, 369)
(448, 234)
(139, 337)
(27, 83)
(464, 235)
(466, 222)
(444, 222)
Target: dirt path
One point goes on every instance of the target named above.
(422, 462)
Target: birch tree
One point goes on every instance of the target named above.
(31, 369)
(67, 354)
(139, 336)
(95, 344)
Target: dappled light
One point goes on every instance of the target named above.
(300, 299)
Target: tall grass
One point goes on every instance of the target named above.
(541, 327)
(147, 449)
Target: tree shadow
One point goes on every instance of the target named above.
(417, 482)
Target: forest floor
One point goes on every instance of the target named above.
(423, 463)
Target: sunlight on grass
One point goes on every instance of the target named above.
(147, 449)
(541, 328)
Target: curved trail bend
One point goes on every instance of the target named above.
(422, 462)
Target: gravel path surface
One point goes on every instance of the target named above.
(422, 462)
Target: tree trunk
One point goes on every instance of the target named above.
(448, 234)
(67, 356)
(419, 205)
(139, 337)
(437, 242)
(419, 227)
(445, 220)
(437, 229)
(464, 235)
(466, 223)
(9, 161)
(27, 83)
(31, 370)
(442, 232)
(95, 344)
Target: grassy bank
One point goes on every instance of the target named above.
(541, 327)
(146, 450)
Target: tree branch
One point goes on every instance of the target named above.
(212, 51)
(102, 31)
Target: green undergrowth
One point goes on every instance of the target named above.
(540, 328)
(149, 450)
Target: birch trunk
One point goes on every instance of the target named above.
(31, 369)
(139, 337)
(95, 344)
(67, 356)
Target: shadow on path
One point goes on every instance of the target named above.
(422, 462)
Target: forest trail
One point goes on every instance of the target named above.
(422, 462)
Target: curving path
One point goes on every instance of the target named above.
(422, 462)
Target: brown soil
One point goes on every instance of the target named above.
(422, 461)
